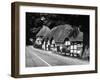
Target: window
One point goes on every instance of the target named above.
(67, 43)
(76, 48)
(53, 42)
(73, 48)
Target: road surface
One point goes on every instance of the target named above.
(38, 58)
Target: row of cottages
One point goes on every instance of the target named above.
(68, 47)
(60, 41)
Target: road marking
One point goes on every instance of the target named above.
(42, 59)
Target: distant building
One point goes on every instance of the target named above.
(38, 42)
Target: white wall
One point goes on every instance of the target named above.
(5, 40)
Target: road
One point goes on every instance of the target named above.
(38, 58)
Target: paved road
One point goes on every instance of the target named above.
(39, 58)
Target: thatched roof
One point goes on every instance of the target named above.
(59, 33)
(43, 32)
